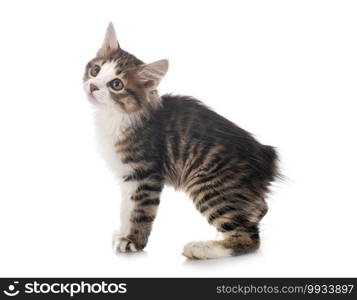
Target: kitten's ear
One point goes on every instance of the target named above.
(150, 75)
(110, 43)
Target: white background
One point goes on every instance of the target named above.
(284, 70)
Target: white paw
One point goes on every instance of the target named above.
(205, 250)
(195, 250)
(123, 244)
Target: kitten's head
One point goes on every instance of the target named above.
(120, 81)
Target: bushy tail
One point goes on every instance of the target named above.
(270, 163)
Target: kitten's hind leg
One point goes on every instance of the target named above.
(241, 240)
(235, 213)
(206, 250)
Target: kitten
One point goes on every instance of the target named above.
(151, 140)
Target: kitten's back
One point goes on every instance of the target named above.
(189, 120)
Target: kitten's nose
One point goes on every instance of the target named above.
(93, 87)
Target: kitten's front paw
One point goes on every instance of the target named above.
(123, 244)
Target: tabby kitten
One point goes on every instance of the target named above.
(151, 140)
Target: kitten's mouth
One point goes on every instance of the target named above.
(92, 99)
(91, 96)
(96, 97)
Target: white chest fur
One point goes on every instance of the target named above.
(109, 130)
(109, 127)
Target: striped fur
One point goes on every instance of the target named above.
(177, 140)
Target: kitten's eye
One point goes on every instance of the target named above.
(116, 84)
(95, 70)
